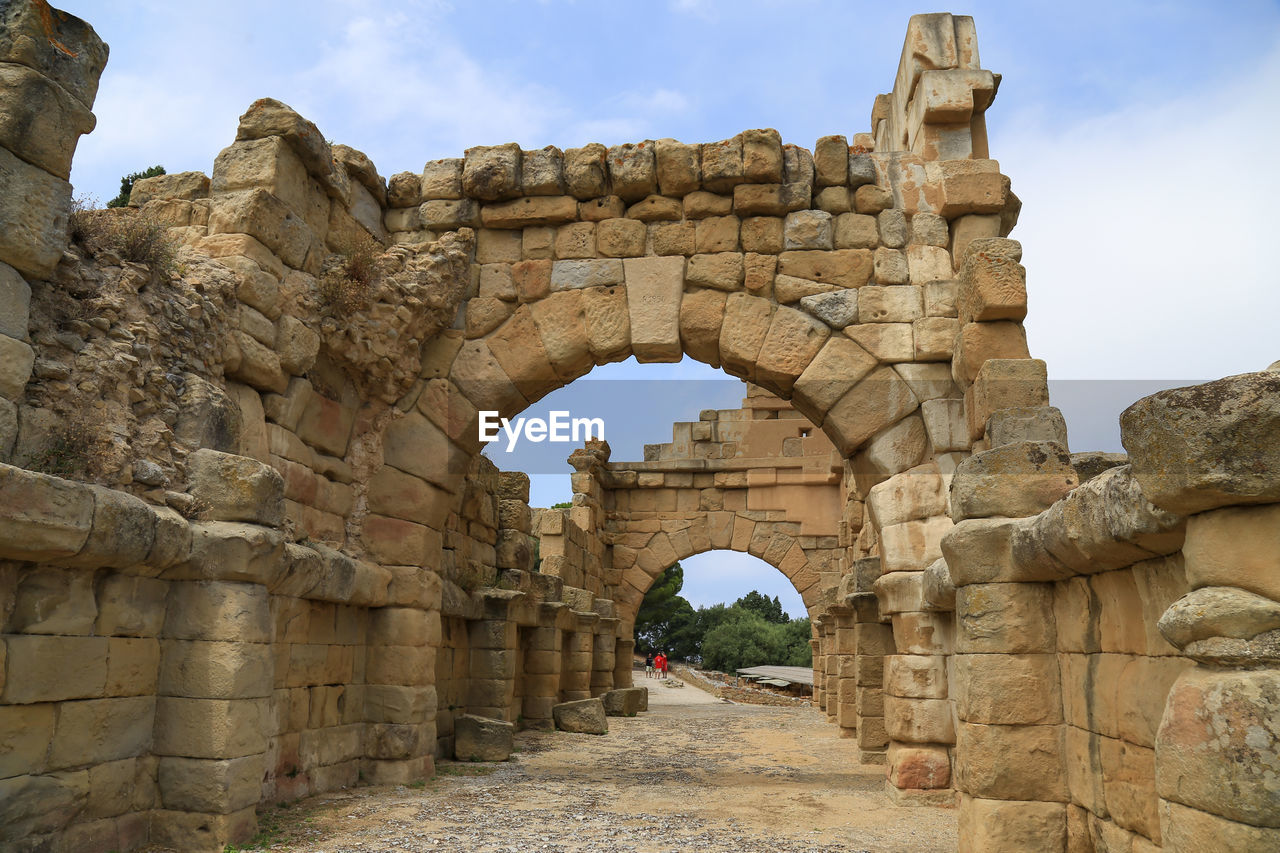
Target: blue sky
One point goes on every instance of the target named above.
(1140, 136)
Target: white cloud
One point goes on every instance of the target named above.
(1148, 233)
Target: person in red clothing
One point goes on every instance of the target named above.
(660, 664)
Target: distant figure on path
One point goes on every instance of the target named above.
(661, 663)
(648, 665)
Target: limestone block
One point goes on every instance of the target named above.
(573, 274)
(912, 545)
(837, 309)
(917, 493)
(216, 670)
(1004, 618)
(537, 243)
(1218, 744)
(978, 342)
(213, 610)
(672, 238)
(442, 179)
(842, 267)
(25, 734)
(722, 271)
(41, 120)
(584, 716)
(530, 211)
(899, 592)
(266, 218)
(656, 208)
(1003, 384)
(561, 323)
(699, 205)
(1010, 826)
(889, 342)
(929, 229)
(746, 323)
(15, 305)
(101, 730)
(831, 161)
(870, 199)
(889, 304)
(52, 669)
(33, 234)
(1027, 423)
(892, 225)
(701, 317)
(654, 287)
(620, 238)
(808, 229)
(788, 288)
(679, 167)
(945, 423)
(448, 215)
(993, 285)
(934, 338)
(542, 172)
(123, 535)
(856, 231)
(1012, 480)
(608, 323)
(722, 167)
(915, 677)
(921, 633)
(758, 274)
(1010, 762)
(1191, 829)
(625, 701)
(236, 488)
(492, 173)
(35, 805)
(937, 592)
(918, 720)
(891, 266)
(940, 299)
(1218, 611)
(482, 739)
(271, 164)
(210, 786)
(585, 171)
(879, 400)
(716, 234)
(1020, 689)
(41, 517)
(633, 170)
(404, 189)
(834, 200)
(793, 340)
(762, 155)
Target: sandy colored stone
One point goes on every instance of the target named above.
(1004, 618)
(1012, 480)
(978, 342)
(888, 342)
(993, 285)
(654, 288)
(843, 267)
(746, 323)
(722, 271)
(235, 488)
(1208, 445)
(701, 317)
(492, 173)
(584, 716)
(481, 739)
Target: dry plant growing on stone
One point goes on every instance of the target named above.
(347, 281)
(69, 451)
(125, 232)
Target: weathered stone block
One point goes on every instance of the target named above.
(585, 716)
(101, 730)
(481, 739)
(492, 173)
(210, 786)
(1011, 826)
(1012, 480)
(1010, 762)
(33, 233)
(625, 701)
(1005, 618)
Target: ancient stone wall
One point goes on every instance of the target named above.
(279, 563)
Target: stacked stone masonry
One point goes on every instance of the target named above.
(250, 549)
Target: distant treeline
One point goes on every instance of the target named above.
(753, 631)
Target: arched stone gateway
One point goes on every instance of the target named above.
(249, 549)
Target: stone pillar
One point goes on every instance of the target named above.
(493, 642)
(49, 71)
(872, 640)
(603, 648)
(843, 685)
(1212, 453)
(623, 668)
(541, 675)
(577, 658)
(400, 667)
(214, 713)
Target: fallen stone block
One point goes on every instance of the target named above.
(482, 739)
(625, 701)
(584, 716)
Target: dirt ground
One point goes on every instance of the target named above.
(694, 773)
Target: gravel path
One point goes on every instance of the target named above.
(694, 773)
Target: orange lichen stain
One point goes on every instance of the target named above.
(46, 20)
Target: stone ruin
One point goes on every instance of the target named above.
(249, 549)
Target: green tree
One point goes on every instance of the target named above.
(664, 617)
(770, 609)
(562, 505)
(796, 636)
(127, 182)
(742, 639)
